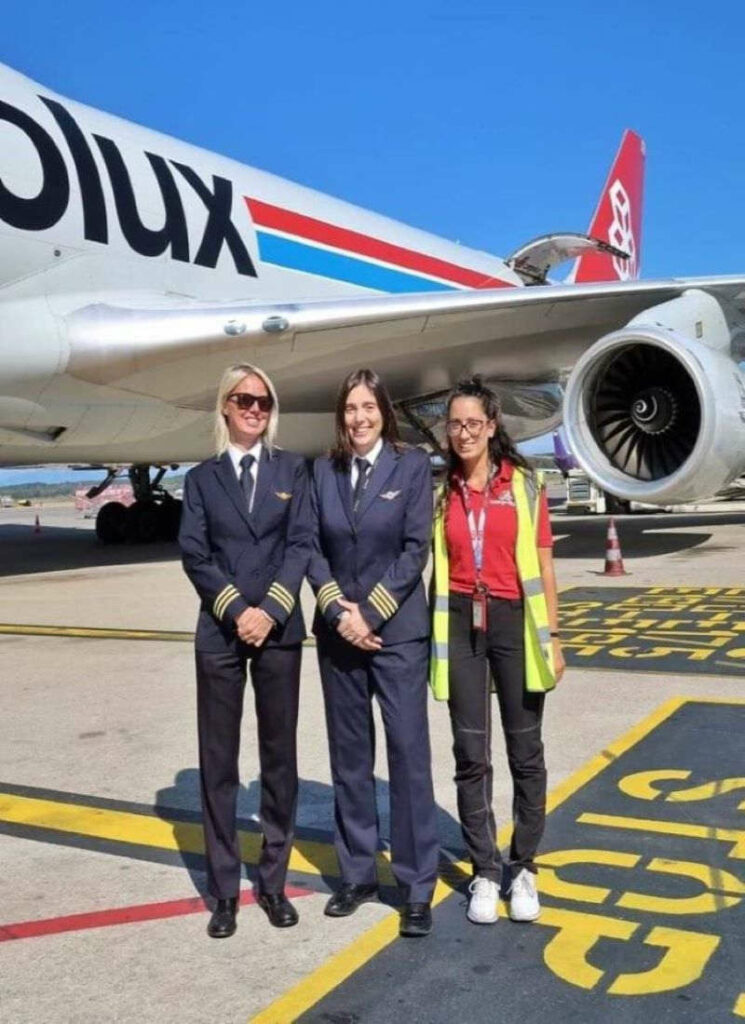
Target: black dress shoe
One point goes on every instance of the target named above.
(279, 910)
(348, 898)
(416, 920)
(222, 923)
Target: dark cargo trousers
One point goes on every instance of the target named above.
(472, 654)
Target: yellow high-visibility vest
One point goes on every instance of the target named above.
(539, 656)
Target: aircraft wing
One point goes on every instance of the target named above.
(420, 343)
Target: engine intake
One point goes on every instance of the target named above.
(644, 411)
(653, 416)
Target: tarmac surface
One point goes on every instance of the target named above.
(642, 878)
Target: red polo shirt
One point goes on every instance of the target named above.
(499, 571)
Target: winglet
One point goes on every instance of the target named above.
(618, 218)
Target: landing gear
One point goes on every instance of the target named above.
(142, 523)
(153, 516)
(616, 506)
(111, 522)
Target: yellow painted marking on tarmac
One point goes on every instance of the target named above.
(552, 885)
(93, 632)
(639, 784)
(612, 752)
(715, 880)
(723, 889)
(672, 828)
(566, 953)
(739, 1008)
(686, 952)
(685, 959)
(307, 857)
(328, 976)
(103, 633)
(708, 791)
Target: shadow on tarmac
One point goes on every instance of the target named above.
(640, 536)
(314, 826)
(22, 551)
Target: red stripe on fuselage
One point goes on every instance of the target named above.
(120, 915)
(267, 216)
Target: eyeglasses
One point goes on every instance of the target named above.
(245, 401)
(472, 427)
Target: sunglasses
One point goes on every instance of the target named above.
(245, 401)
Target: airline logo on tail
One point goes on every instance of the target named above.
(621, 232)
(618, 218)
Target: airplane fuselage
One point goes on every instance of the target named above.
(96, 210)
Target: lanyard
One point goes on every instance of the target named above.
(476, 529)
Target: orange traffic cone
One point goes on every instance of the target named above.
(37, 524)
(613, 559)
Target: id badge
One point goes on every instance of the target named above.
(478, 611)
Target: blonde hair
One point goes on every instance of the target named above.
(228, 383)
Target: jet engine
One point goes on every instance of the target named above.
(653, 415)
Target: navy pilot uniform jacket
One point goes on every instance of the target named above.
(376, 557)
(236, 560)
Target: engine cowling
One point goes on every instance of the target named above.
(654, 416)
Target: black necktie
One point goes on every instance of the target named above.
(363, 468)
(247, 480)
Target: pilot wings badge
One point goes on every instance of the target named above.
(390, 495)
(283, 495)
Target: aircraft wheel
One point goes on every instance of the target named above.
(142, 524)
(110, 522)
(170, 518)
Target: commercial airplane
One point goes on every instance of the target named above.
(134, 267)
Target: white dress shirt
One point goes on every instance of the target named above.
(371, 457)
(236, 454)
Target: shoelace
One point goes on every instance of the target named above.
(480, 887)
(523, 885)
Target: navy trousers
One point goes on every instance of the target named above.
(397, 676)
(221, 680)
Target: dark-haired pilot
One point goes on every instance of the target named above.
(372, 503)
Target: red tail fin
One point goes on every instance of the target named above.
(618, 217)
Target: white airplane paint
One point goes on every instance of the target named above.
(134, 267)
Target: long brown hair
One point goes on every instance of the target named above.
(501, 446)
(342, 451)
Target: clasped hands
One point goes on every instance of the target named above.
(253, 626)
(352, 627)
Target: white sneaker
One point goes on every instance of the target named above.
(482, 907)
(524, 905)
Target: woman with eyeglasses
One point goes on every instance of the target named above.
(372, 503)
(494, 618)
(245, 542)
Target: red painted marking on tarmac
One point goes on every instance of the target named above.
(121, 915)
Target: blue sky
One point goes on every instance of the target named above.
(483, 122)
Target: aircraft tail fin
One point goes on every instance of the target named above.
(618, 218)
(562, 456)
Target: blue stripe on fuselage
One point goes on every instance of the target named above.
(286, 252)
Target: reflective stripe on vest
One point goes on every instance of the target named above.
(539, 668)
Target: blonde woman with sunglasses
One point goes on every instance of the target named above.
(245, 540)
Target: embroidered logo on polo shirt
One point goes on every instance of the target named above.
(505, 498)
